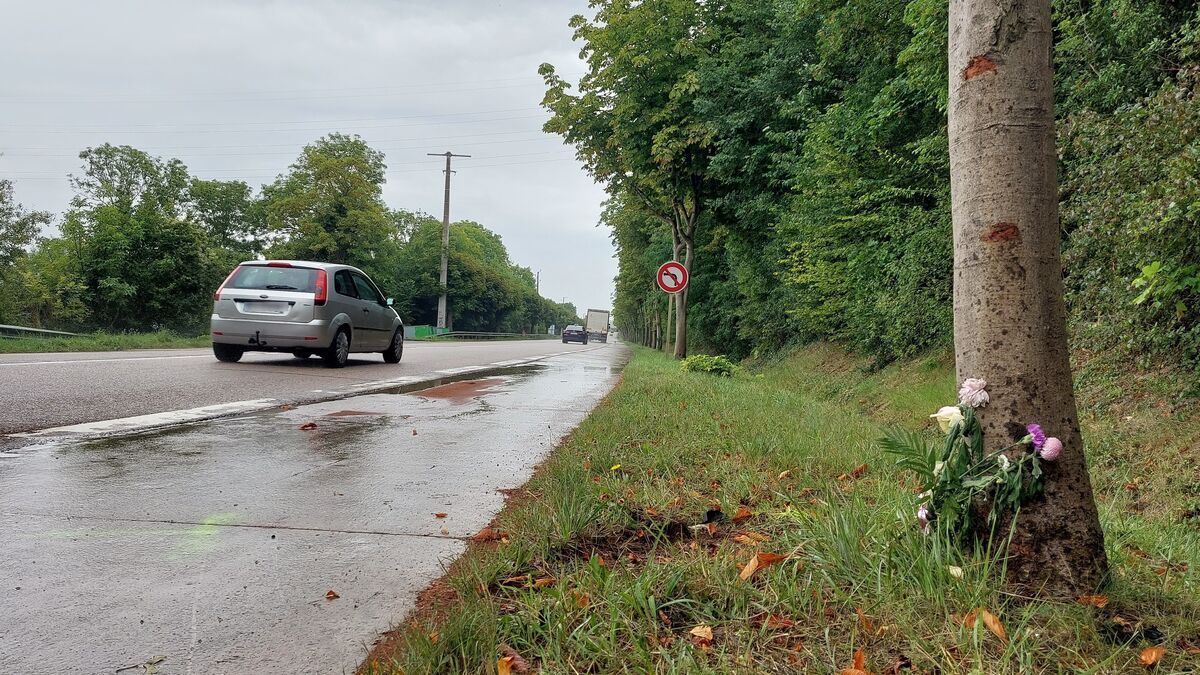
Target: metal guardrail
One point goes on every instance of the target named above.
(24, 331)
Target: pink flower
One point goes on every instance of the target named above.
(923, 516)
(972, 393)
(1051, 449)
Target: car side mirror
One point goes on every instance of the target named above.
(390, 302)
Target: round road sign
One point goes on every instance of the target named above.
(672, 277)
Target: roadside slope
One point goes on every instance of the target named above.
(628, 549)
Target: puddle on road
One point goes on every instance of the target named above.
(465, 391)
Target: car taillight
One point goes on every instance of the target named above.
(322, 288)
(217, 294)
(278, 264)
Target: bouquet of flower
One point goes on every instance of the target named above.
(959, 473)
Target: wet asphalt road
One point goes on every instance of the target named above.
(39, 391)
(212, 546)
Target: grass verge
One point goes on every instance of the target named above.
(628, 551)
(101, 342)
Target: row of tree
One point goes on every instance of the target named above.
(144, 244)
(794, 155)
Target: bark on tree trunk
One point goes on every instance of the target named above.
(1009, 311)
(681, 306)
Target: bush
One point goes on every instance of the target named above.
(703, 363)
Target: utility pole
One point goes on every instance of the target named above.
(441, 319)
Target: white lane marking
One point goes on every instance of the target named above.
(131, 358)
(513, 362)
(457, 371)
(139, 422)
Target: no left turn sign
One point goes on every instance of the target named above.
(672, 277)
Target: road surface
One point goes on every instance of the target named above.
(210, 548)
(39, 391)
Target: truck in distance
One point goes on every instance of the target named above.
(596, 324)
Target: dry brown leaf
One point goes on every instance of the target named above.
(785, 474)
(702, 632)
(750, 538)
(414, 432)
(742, 513)
(1094, 600)
(489, 534)
(331, 595)
(308, 426)
(860, 665)
(440, 515)
(712, 529)
(859, 470)
(544, 582)
(760, 561)
(991, 621)
(582, 599)
(864, 622)
(434, 637)
(504, 665)
(1150, 656)
(776, 622)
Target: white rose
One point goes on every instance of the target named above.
(947, 416)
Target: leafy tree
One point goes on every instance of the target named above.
(633, 122)
(329, 205)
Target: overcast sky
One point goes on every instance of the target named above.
(234, 88)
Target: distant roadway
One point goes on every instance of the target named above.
(39, 391)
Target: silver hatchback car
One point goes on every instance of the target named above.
(304, 308)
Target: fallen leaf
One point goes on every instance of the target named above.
(859, 470)
(1093, 600)
(991, 621)
(582, 599)
(440, 515)
(760, 561)
(544, 582)
(1151, 656)
(702, 636)
(651, 511)
(519, 580)
(864, 622)
(414, 432)
(489, 534)
(860, 664)
(308, 426)
(956, 571)
(434, 637)
(776, 622)
(331, 595)
(444, 531)
(751, 538)
(712, 529)
(742, 513)
(785, 474)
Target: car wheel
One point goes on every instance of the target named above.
(564, 341)
(301, 353)
(339, 351)
(227, 353)
(395, 350)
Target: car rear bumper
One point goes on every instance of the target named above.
(271, 335)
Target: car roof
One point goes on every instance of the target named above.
(302, 263)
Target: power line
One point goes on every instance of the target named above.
(468, 85)
(96, 127)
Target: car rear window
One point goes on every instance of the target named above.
(264, 278)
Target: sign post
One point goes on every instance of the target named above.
(672, 278)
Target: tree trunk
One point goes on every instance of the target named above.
(1009, 311)
(681, 304)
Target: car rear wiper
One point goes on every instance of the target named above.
(281, 287)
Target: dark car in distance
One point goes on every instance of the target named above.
(574, 334)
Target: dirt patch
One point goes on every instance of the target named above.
(463, 392)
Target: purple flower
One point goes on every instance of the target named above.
(1051, 449)
(923, 516)
(1036, 435)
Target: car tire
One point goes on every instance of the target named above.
(301, 353)
(227, 353)
(395, 350)
(338, 352)
(564, 341)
